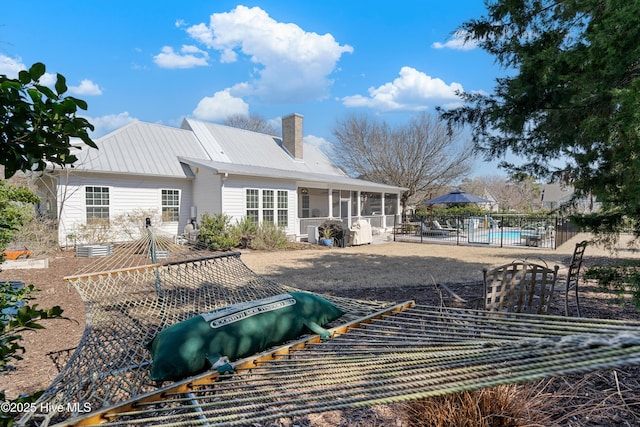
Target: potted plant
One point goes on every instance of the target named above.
(327, 236)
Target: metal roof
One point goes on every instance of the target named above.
(143, 149)
(151, 149)
(243, 147)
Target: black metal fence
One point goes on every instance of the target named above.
(497, 230)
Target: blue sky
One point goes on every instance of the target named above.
(161, 61)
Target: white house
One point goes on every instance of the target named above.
(205, 167)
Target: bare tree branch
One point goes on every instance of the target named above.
(422, 155)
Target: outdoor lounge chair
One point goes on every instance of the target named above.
(437, 226)
(531, 236)
(457, 225)
(519, 287)
(433, 231)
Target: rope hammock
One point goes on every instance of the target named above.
(379, 352)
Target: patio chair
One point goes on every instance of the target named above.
(532, 235)
(438, 226)
(572, 276)
(451, 226)
(428, 231)
(519, 287)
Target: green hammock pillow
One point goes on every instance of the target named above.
(236, 331)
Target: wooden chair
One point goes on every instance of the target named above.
(573, 276)
(519, 287)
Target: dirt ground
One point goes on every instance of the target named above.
(390, 271)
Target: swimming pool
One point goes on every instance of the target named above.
(507, 234)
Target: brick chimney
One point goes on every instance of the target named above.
(292, 134)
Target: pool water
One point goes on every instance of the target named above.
(507, 235)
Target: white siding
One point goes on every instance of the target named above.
(207, 193)
(126, 195)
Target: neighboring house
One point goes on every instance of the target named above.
(492, 205)
(555, 195)
(205, 167)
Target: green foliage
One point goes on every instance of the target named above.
(16, 207)
(571, 95)
(37, 122)
(17, 316)
(216, 232)
(622, 279)
(270, 237)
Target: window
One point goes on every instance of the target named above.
(283, 208)
(253, 205)
(267, 206)
(170, 205)
(97, 201)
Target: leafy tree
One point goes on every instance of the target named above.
(37, 122)
(421, 155)
(571, 95)
(36, 127)
(253, 122)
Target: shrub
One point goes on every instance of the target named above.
(500, 406)
(38, 234)
(95, 231)
(270, 237)
(216, 232)
(622, 279)
(132, 225)
(245, 230)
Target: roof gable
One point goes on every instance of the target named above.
(243, 147)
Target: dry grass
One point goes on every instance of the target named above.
(501, 406)
(603, 398)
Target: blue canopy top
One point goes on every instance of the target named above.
(457, 196)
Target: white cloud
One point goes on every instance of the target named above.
(11, 66)
(412, 91)
(322, 144)
(188, 57)
(457, 42)
(293, 65)
(87, 87)
(105, 124)
(219, 106)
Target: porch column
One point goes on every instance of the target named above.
(384, 218)
(330, 200)
(358, 204)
